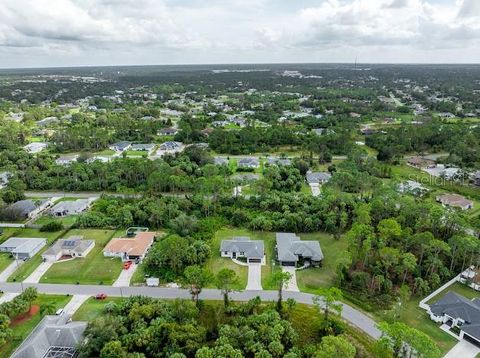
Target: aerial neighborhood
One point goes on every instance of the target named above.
(292, 211)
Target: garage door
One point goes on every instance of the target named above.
(288, 263)
(471, 339)
(255, 261)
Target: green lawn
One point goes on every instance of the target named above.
(93, 269)
(31, 264)
(66, 221)
(92, 308)
(6, 233)
(138, 277)
(23, 329)
(5, 260)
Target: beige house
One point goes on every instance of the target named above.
(74, 246)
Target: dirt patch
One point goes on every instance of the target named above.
(26, 316)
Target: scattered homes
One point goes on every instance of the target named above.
(128, 249)
(65, 160)
(291, 250)
(420, 163)
(279, 161)
(455, 200)
(16, 117)
(220, 161)
(74, 246)
(27, 208)
(35, 147)
(4, 179)
(99, 158)
(171, 146)
(167, 131)
(54, 336)
(248, 163)
(143, 147)
(318, 178)
(412, 187)
(120, 146)
(23, 248)
(71, 207)
(243, 247)
(458, 312)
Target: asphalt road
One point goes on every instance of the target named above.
(350, 314)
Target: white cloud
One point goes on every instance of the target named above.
(64, 32)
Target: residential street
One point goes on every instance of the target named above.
(350, 314)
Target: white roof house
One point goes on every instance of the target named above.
(71, 207)
(35, 147)
(22, 247)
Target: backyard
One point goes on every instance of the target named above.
(93, 269)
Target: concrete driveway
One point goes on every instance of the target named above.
(36, 275)
(292, 284)
(315, 189)
(125, 276)
(463, 349)
(74, 304)
(10, 269)
(254, 277)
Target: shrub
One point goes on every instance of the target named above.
(52, 226)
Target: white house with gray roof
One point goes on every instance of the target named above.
(291, 250)
(54, 336)
(71, 207)
(243, 247)
(249, 162)
(455, 310)
(23, 247)
(73, 246)
(318, 177)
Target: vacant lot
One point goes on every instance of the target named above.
(92, 308)
(93, 269)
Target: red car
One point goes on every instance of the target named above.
(126, 265)
(100, 296)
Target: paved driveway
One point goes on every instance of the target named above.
(315, 189)
(10, 269)
(36, 275)
(74, 304)
(463, 349)
(254, 277)
(125, 276)
(292, 284)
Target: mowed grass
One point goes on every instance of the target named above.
(31, 264)
(23, 329)
(5, 260)
(66, 221)
(93, 308)
(93, 269)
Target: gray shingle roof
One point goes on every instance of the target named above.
(22, 245)
(253, 249)
(318, 177)
(52, 331)
(290, 247)
(248, 162)
(457, 306)
(23, 207)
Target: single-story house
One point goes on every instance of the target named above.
(476, 178)
(99, 158)
(27, 208)
(143, 147)
(4, 179)
(120, 146)
(167, 131)
(249, 162)
(291, 250)
(35, 147)
(55, 336)
(455, 200)
(23, 247)
(128, 249)
(318, 177)
(412, 187)
(457, 311)
(74, 246)
(220, 123)
(252, 250)
(47, 121)
(220, 161)
(279, 161)
(171, 146)
(65, 160)
(71, 207)
(246, 177)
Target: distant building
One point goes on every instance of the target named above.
(455, 200)
(47, 121)
(168, 131)
(4, 179)
(143, 147)
(74, 246)
(220, 161)
(319, 178)
(171, 146)
(71, 207)
(279, 161)
(249, 162)
(65, 160)
(54, 337)
(23, 248)
(35, 147)
(27, 208)
(419, 162)
(120, 146)
(291, 250)
(476, 178)
(243, 247)
(412, 187)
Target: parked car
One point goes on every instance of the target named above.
(137, 260)
(127, 264)
(59, 312)
(100, 296)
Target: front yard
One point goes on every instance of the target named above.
(93, 269)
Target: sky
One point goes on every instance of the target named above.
(51, 33)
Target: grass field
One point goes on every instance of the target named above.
(31, 264)
(66, 221)
(92, 308)
(23, 329)
(93, 269)
(5, 260)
